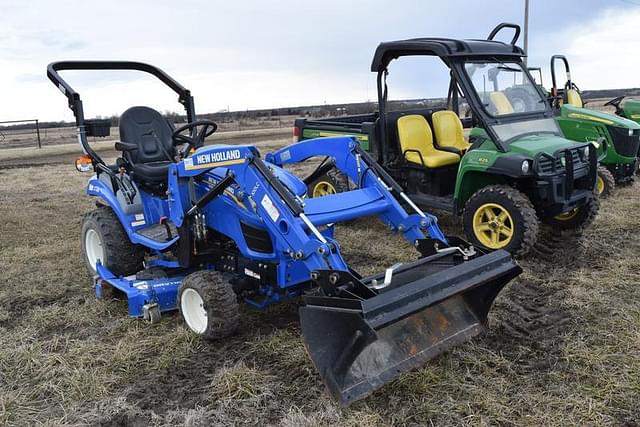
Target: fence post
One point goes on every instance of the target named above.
(38, 132)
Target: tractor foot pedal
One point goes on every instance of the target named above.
(159, 233)
(151, 313)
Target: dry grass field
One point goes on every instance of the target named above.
(562, 348)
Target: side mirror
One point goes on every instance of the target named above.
(84, 163)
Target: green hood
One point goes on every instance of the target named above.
(534, 144)
(571, 112)
(631, 109)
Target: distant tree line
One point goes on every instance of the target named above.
(314, 111)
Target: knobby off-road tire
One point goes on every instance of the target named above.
(577, 219)
(104, 238)
(328, 183)
(519, 219)
(208, 305)
(606, 183)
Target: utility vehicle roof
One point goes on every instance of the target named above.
(441, 47)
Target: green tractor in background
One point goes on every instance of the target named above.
(630, 109)
(619, 156)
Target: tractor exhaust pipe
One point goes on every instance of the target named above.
(360, 338)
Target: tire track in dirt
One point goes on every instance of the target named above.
(531, 314)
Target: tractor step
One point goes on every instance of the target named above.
(158, 232)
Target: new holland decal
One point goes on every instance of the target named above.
(214, 159)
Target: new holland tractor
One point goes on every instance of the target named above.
(514, 171)
(180, 225)
(619, 156)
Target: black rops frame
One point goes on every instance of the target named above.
(453, 53)
(75, 103)
(552, 64)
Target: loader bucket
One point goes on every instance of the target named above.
(359, 341)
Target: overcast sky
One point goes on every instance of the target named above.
(258, 54)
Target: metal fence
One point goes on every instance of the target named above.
(18, 132)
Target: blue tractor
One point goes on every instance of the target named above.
(180, 225)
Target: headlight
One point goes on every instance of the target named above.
(563, 161)
(525, 167)
(585, 152)
(630, 132)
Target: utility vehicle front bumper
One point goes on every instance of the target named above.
(566, 179)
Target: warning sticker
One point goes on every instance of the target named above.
(268, 205)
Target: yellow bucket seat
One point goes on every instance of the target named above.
(449, 133)
(501, 103)
(416, 142)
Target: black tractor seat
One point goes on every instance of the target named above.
(151, 133)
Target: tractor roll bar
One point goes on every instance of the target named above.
(503, 25)
(75, 103)
(554, 58)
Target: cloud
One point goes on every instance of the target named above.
(250, 54)
(602, 51)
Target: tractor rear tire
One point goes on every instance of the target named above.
(329, 183)
(579, 218)
(104, 239)
(501, 217)
(605, 183)
(208, 305)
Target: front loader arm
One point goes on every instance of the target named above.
(361, 169)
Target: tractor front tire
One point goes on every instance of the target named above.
(577, 219)
(605, 183)
(208, 305)
(104, 239)
(501, 217)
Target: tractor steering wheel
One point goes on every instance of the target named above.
(615, 101)
(201, 130)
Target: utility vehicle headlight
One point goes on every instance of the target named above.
(525, 167)
(585, 152)
(563, 161)
(630, 132)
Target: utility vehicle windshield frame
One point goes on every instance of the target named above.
(509, 97)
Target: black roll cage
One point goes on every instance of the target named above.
(75, 103)
(554, 59)
(454, 53)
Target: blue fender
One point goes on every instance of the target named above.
(130, 223)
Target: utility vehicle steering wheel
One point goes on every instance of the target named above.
(202, 128)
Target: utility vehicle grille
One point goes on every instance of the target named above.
(547, 165)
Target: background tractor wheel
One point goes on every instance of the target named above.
(104, 239)
(331, 182)
(208, 305)
(605, 183)
(501, 217)
(578, 218)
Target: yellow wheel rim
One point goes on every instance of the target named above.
(323, 188)
(567, 215)
(493, 226)
(600, 185)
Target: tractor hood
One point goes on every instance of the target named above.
(533, 144)
(571, 112)
(631, 109)
(292, 182)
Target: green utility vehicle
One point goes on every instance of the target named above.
(515, 171)
(619, 157)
